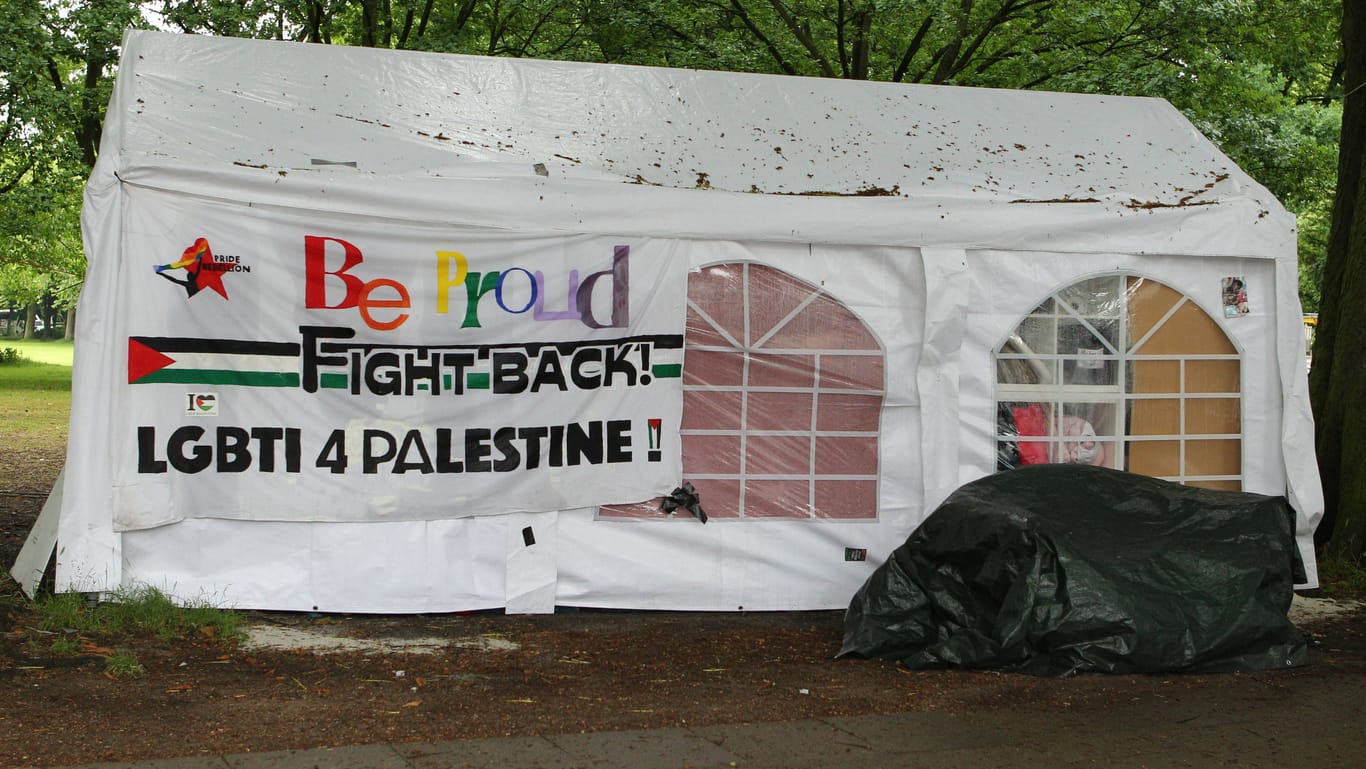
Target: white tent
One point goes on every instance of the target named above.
(367, 330)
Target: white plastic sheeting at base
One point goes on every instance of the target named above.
(31, 563)
(412, 567)
(847, 244)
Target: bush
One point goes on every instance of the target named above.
(10, 355)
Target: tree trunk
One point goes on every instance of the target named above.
(1337, 383)
(49, 314)
(30, 315)
(369, 23)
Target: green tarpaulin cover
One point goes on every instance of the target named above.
(1060, 569)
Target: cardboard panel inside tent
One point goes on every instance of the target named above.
(367, 330)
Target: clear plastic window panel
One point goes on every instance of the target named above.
(1123, 372)
(783, 389)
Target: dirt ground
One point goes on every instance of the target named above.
(485, 674)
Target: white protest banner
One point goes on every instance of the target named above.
(293, 366)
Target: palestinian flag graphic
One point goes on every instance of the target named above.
(181, 360)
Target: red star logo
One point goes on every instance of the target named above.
(209, 277)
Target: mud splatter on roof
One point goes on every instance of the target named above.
(403, 113)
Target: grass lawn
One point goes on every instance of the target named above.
(56, 352)
(35, 398)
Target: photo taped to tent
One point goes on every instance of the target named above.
(1234, 296)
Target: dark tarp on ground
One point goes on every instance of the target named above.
(1060, 569)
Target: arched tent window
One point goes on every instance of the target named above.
(1124, 372)
(782, 396)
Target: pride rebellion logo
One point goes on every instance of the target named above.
(202, 270)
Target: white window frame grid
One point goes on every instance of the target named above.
(811, 431)
(1117, 395)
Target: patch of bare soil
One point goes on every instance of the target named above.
(562, 673)
(484, 674)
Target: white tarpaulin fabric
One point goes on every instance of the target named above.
(852, 256)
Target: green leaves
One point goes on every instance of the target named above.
(57, 60)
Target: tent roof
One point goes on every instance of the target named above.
(260, 103)
(289, 110)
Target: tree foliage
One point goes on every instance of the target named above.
(56, 67)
